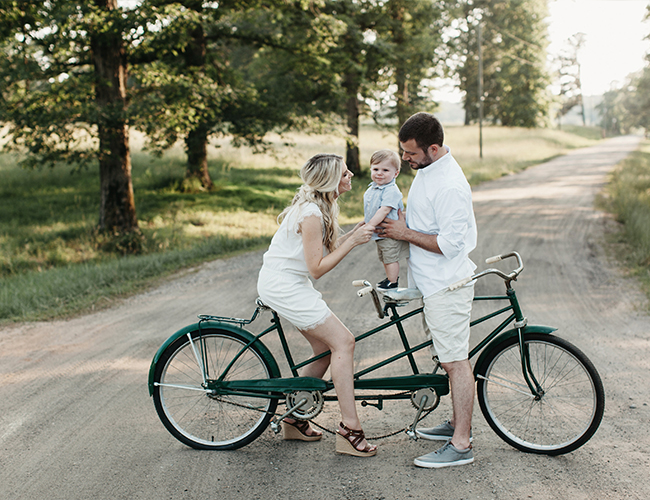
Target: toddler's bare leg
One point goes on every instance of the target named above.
(392, 271)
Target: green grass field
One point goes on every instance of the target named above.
(53, 262)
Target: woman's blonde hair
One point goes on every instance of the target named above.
(321, 176)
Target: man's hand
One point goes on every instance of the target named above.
(395, 229)
(398, 230)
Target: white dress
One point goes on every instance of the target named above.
(283, 282)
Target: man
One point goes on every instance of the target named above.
(441, 231)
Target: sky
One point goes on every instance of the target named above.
(615, 32)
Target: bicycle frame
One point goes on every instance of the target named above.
(277, 388)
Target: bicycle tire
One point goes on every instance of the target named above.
(203, 421)
(568, 413)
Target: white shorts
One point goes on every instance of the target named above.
(446, 321)
(293, 297)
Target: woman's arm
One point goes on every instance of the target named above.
(312, 241)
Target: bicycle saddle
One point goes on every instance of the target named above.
(401, 294)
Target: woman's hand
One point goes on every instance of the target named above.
(312, 240)
(361, 233)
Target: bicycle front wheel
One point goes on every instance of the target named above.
(193, 415)
(563, 418)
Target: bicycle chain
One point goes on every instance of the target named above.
(325, 429)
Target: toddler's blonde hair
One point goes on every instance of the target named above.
(386, 154)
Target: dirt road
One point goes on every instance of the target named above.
(76, 420)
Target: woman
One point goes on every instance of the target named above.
(308, 243)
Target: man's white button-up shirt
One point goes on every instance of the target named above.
(440, 202)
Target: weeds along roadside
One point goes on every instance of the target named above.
(53, 263)
(627, 197)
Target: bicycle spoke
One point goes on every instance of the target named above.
(562, 417)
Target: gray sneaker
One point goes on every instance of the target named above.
(442, 432)
(446, 456)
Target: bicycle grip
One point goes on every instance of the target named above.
(358, 283)
(492, 260)
(460, 283)
(364, 291)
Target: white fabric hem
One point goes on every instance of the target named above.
(318, 323)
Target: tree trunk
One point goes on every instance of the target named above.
(196, 142)
(352, 111)
(196, 147)
(117, 209)
(402, 107)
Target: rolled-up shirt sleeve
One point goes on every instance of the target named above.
(454, 215)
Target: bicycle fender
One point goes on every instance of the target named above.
(506, 335)
(205, 325)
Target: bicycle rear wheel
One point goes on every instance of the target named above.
(202, 420)
(563, 418)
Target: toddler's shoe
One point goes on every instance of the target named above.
(387, 284)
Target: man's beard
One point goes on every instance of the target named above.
(424, 163)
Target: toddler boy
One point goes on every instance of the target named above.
(381, 200)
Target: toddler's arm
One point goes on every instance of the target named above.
(379, 216)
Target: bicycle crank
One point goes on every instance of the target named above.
(311, 408)
(424, 400)
(431, 402)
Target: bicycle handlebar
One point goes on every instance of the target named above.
(512, 276)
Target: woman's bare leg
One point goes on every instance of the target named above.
(334, 335)
(316, 369)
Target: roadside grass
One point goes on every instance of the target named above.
(627, 197)
(53, 262)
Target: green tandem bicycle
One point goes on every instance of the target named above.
(216, 386)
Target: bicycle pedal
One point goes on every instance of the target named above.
(411, 434)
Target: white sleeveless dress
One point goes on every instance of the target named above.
(283, 282)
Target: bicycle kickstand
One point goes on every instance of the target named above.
(410, 430)
(275, 423)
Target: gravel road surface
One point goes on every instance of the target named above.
(77, 422)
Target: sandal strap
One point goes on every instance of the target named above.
(354, 436)
(302, 426)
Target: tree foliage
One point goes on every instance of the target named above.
(569, 77)
(514, 44)
(64, 93)
(239, 67)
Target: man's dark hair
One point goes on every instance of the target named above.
(424, 128)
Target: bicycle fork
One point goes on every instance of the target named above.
(527, 371)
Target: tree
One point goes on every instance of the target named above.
(355, 59)
(206, 72)
(64, 96)
(628, 107)
(411, 34)
(514, 61)
(569, 77)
